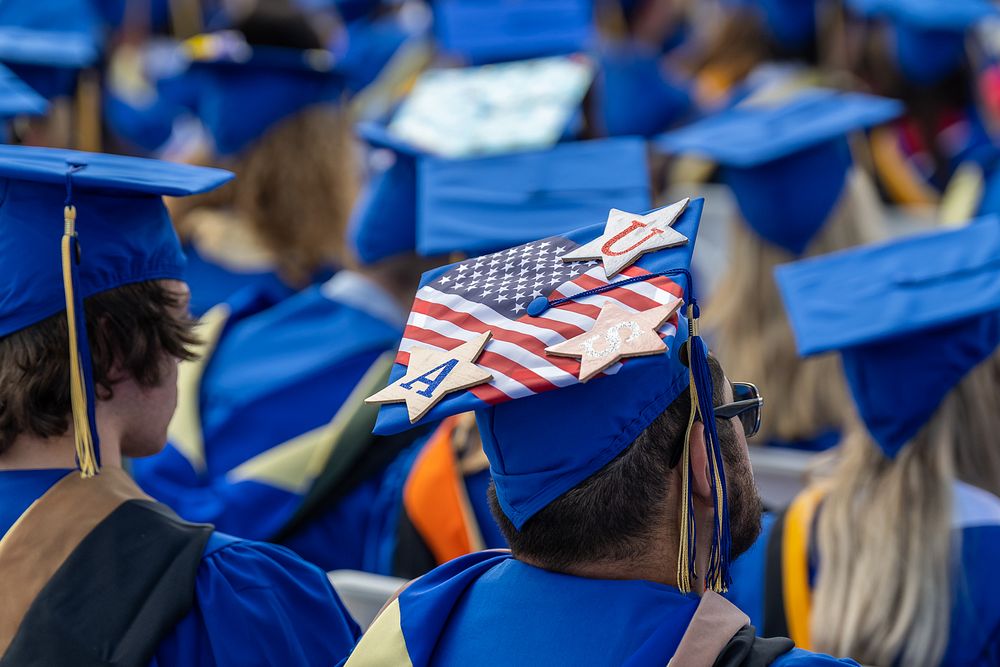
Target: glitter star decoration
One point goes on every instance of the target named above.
(432, 374)
(628, 236)
(617, 334)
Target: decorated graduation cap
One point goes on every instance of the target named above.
(928, 35)
(47, 43)
(244, 90)
(75, 224)
(496, 30)
(566, 348)
(485, 204)
(786, 163)
(918, 313)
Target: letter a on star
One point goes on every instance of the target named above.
(628, 236)
(432, 374)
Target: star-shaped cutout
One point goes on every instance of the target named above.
(628, 236)
(432, 374)
(617, 334)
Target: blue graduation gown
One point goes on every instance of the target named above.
(975, 617)
(279, 371)
(489, 608)
(255, 604)
(212, 284)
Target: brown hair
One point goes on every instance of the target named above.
(294, 188)
(134, 327)
(750, 331)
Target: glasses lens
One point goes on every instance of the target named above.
(750, 418)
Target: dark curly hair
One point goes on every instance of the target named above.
(134, 326)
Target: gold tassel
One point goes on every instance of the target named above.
(85, 453)
(683, 555)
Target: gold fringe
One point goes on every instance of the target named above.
(78, 394)
(683, 555)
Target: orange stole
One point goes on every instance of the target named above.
(795, 565)
(435, 498)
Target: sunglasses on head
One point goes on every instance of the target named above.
(747, 404)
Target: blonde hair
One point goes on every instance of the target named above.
(294, 189)
(749, 328)
(884, 532)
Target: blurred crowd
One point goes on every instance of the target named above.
(848, 265)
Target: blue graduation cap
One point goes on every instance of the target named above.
(18, 98)
(384, 219)
(631, 72)
(495, 202)
(917, 313)
(786, 163)
(486, 31)
(244, 90)
(47, 43)
(791, 23)
(929, 35)
(106, 214)
(544, 430)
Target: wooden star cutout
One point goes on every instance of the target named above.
(616, 334)
(628, 236)
(432, 374)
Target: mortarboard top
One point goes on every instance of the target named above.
(929, 35)
(544, 430)
(787, 162)
(485, 204)
(106, 213)
(491, 31)
(244, 89)
(46, 43)
(917, 313)
(629, 72)
(18, 98)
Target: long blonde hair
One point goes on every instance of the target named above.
(749, 329)
(884, 532)
(294, 189)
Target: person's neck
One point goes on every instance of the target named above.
(658, 563)
(31, 452)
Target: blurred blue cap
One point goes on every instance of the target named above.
(917, 313)
(47, 43)
(245, 90)
(785, 163)
(628, 74)
(486, 31)
(791, 23)
(929, 35)
(18, 98)
(123, 227)
(485, 204)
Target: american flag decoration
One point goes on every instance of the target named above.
(492, 293)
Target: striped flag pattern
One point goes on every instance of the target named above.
(492, 293)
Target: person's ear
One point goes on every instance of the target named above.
(701, 485)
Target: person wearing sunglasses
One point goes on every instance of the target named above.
(891, 558)
(623, 489)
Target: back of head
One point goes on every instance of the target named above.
(750, 328)
(885, 531)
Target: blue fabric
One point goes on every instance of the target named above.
(370, 46)
(497, 30)
(212, 284)
(921, 313)
(490, 604)
(629, 73)
(791, 23)
(279, 371)
(254, 603)
(485, 204)
(954, 15)
(786, 164)
(926, 57)
(18, 98)
(123, 227)
(383, 222)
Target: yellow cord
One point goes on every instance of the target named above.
(78, 394)
(683, 555)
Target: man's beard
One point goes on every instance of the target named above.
(745, 508)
